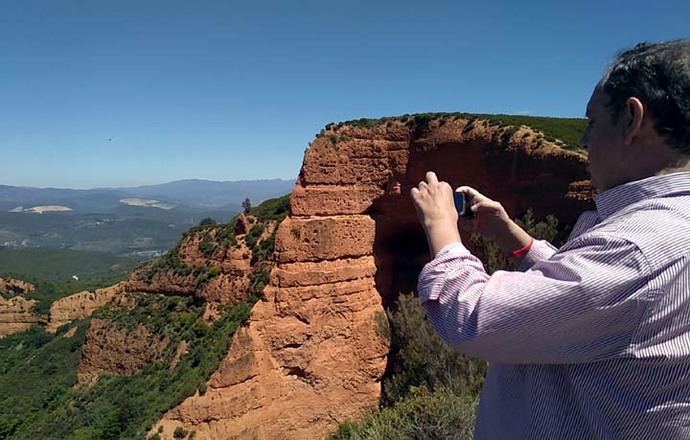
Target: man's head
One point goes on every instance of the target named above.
(639, 115)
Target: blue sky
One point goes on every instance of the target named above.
(106, 93)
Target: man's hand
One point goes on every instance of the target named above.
(490, 218)
(492, 221)
(436, 211)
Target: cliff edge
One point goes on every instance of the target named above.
(314, 352)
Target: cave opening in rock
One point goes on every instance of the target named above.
(400, 248)
(401, 255)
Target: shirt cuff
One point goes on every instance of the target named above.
(541, 250)
(434, 273)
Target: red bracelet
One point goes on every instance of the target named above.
(523, 250)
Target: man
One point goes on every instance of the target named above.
(591, 340)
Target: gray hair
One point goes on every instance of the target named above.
(659, 75)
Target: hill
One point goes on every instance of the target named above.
(189, 195)
(301, 303)
(141, 221)
(113, 374)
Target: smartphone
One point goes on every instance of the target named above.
(462, 204)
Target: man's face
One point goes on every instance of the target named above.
(604, 142)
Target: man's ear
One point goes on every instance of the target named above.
(634, 112)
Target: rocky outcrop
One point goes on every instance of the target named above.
(16, 315)
(12, 287)
(313, 353)
(312, 347)
(117, 350)
(16, 312)
(214, 263)
(205, 265)
(80, 305)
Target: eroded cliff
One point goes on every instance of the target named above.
(16, 312)
(314, 353)
(148, 318)
(12, 287)
(16, 315)
(81, 305)
(212, 263)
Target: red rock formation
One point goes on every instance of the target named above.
(311, 355)
(230, 286)
(13, 287)
(118, 351)
(16, 311)
(80, 305)
(16, 315)
(201, 250)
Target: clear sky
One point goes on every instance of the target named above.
(103, 93)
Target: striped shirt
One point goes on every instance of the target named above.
(591, 340)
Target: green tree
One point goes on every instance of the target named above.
(247, 205)
(208, 221)
(420, 358)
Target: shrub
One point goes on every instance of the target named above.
(208, 221)
(546, 229)
(258, 280)
(334, 138)
(420, 358)
(39, 404)
(568, 130)
(254, 234)
(264, 251)
(225, 234)
(246, 205)
(363, 122)
(273, 209)
(180, 432)
(441, 415)
(207, 246)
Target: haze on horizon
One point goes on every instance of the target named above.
(105, 94)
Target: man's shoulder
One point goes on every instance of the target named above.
(659, 227)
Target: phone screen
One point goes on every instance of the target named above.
(462, 204)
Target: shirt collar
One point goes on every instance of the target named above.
(616, 198)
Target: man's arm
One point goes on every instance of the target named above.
(583, 304)
(540, 250)
(492, 221)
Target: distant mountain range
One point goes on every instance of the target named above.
(191, 194)
(144, 220)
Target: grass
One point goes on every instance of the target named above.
(61, 264)
(441, 415)
(51, 270)
(272, 209)
(39, 370)
(567, 130)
